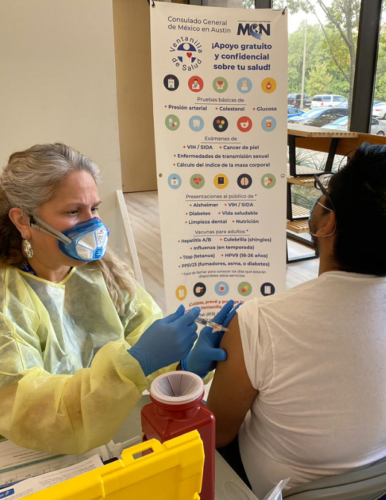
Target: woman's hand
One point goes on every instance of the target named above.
(205, 354)
(166, 341)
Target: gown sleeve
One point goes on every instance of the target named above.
(65, 414)
(141, 312)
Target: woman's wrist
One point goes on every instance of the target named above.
(183, 364)
(184, 367)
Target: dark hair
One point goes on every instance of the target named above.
(358, 192)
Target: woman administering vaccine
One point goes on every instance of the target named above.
(79, 339)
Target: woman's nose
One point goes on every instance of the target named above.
(87, 215)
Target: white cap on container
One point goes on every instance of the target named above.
(177, 388)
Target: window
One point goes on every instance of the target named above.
(313, 113)
(322, 37)
(343, 122)
(379, 106)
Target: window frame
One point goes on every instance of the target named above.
(365, 63)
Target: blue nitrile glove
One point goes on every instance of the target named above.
(166, 341)
(205, 354)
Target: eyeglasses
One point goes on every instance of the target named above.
(321, 183)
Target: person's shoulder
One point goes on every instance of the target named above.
(11, 281)
(256, 304)
(8, 273)
(2, 279)
(296, 291)
(89, 272)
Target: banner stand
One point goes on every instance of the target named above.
(220, 114)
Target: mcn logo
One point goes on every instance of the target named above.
(254, 29)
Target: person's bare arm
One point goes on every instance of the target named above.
(232, 393)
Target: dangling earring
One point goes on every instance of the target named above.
(27, 249)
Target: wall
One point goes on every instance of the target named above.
(135, 101)
(134, 88)
(58, 84)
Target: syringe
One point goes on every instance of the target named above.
(211, 324)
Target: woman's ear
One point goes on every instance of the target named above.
(327, 225)
(21, 221)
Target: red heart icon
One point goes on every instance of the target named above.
(189, 54)
(220, 83)
(197, 180)
(270, 180)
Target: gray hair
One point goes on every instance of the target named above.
(32, 178)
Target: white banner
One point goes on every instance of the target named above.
(220, 113)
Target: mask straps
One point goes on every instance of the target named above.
(56, 234)
(329, 209)
(324, 206)
(347, 157)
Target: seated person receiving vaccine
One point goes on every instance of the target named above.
(302, 393)
(79, 339)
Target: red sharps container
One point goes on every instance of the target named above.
(177, 408)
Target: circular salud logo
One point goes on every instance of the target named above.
(267, 289)
(221, 288)
(199, 289)
(171, 82)
(244, 124)
(186, 53)
(268, 181)
(181, 292)
(220, 123)
(196, 123)
(221, 181)
(172, 122)
(197, 181)
(174, 181)
(268, 124)
(196, 84)
(220, 84)
(244, 181)
(268, 85)
(244, 85)
(244, 289)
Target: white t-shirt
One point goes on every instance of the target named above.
(317, 355)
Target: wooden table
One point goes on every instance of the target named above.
(305, 131)
(297, 216)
